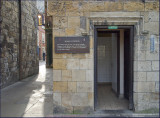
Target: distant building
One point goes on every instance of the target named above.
(41, 30)
(41, 41)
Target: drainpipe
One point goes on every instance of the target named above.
(20, 41)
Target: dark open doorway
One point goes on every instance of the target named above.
(113, 68)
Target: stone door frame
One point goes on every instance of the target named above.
(130, 27)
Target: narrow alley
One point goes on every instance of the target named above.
(32, 97)
(79, 58)
(29, 97)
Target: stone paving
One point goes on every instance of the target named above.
(32, 97)
(29, 97)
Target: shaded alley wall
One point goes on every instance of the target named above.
(12, 47)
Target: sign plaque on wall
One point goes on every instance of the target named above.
(72, 44)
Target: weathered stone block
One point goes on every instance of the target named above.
(58, 109)
(75, 13)
(113, 6)
(89, 75)
(90, 64)
(72, 63)
(66, 75)
(142, 65)
(90, 55)
(60, 87)
(58, 56)
(66, 99)
(91, 42)
(74, 22)
(140, 76)
(155, 65)
(60, 22)
(152, 76)
(152, 6)
(85, 6)
(78, 56)
(83, 22)
(154, 29)
(84, 64)
(56, 32)
(56, 8)
(154, 97)
(142, 97)
(96, 6)
(133, 6)
(153, 105)
(153, 16)
(152, 56)
(84, 87)
(78, 75)
(140, 55)
(144, 86)
(83, 110)
(70, 31)
(72, 6)
(80, 99)
(141, 106)
(8, 4)
(57, 98)
(157, 87)
(57, 75)
(91, 98)
(59, 64)
(72, 87)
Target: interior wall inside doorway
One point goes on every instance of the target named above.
(107, 60)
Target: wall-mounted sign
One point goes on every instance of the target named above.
(112, 27)
(152, 43)
(72, 44)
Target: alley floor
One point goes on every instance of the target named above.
(32, 97)
(29, 97)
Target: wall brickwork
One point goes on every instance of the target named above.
(10, 42)
(73, 89)
(29, 59)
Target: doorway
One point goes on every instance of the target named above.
(113, 68)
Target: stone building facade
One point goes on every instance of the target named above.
(19, 57)
(73, 78)
(41, 41)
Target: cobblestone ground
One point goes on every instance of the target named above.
(29, 97)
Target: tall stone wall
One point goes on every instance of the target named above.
(11, 50)
(73, 88)
(9, 42)
(29, 55)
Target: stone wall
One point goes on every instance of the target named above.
(73, 73)
(9, 43)
(29, 55)
(11, 50)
